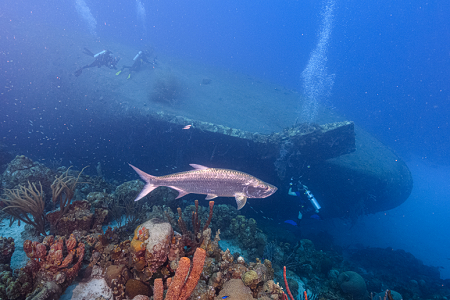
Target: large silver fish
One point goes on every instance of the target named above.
(211, 182)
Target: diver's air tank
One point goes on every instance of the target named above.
(137, 55)
(312, 199)
(100, 53)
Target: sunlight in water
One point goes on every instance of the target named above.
(317, 83)
(85, 13)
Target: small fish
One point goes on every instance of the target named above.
(225, 297)
(187, 127)
(291, 222)
(211, 182)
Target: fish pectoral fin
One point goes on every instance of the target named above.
(210, 196)
(241, 199)
(181, 192)
(198, 167)
(147, 189)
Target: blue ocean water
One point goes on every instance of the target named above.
(383, 64)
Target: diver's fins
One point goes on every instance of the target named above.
(118, 73)
(129, 76)
(78, 72)
(88, 52)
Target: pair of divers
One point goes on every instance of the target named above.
(140, 58)
(103, 58)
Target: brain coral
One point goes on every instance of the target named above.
(352, 283)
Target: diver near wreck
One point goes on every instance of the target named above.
(310, 209)
(138, 61)
(103, 58)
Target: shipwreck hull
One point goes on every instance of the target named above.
(99, 117)
(348, 171)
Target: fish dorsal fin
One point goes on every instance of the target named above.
(198, 167)
(241, 199)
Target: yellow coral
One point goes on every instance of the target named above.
(137, 245)
(250, 278)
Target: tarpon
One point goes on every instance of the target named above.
(211, 182)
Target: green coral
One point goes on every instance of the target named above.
(249, 237)
(12, 288)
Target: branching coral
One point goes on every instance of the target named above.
(123, 208)
(63, 189)
(26, 201)
(194, 239)
(27, 204)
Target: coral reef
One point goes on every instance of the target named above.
(7, 248)
(48, 262)
(124, 209)
(15, 286)
(78, 217)
(157, 249)
(27, 204)
(248, 236)
(22, 170)
(25, 201)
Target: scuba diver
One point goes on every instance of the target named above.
(139, 59)
(103, 58)
(305, 209)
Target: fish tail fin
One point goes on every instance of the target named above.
(149, 179)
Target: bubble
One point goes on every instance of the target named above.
(140, 12)
(317, 83)
(85, 13)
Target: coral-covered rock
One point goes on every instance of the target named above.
(78, 217)
(22, 169)
(235, 289)
(237, 271)
(248, 236)
(176, 250)
(14, 287)
(7, 248)
(136, 287)
(116, 276)
(352, 283)
(216, 280)
(270, 290)
(155, 236)
(92, 289)
(98, 199)
(250, 279)
(121, 253)
(203, 292)
(48, 290)
(264, 271)
(100, 216)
